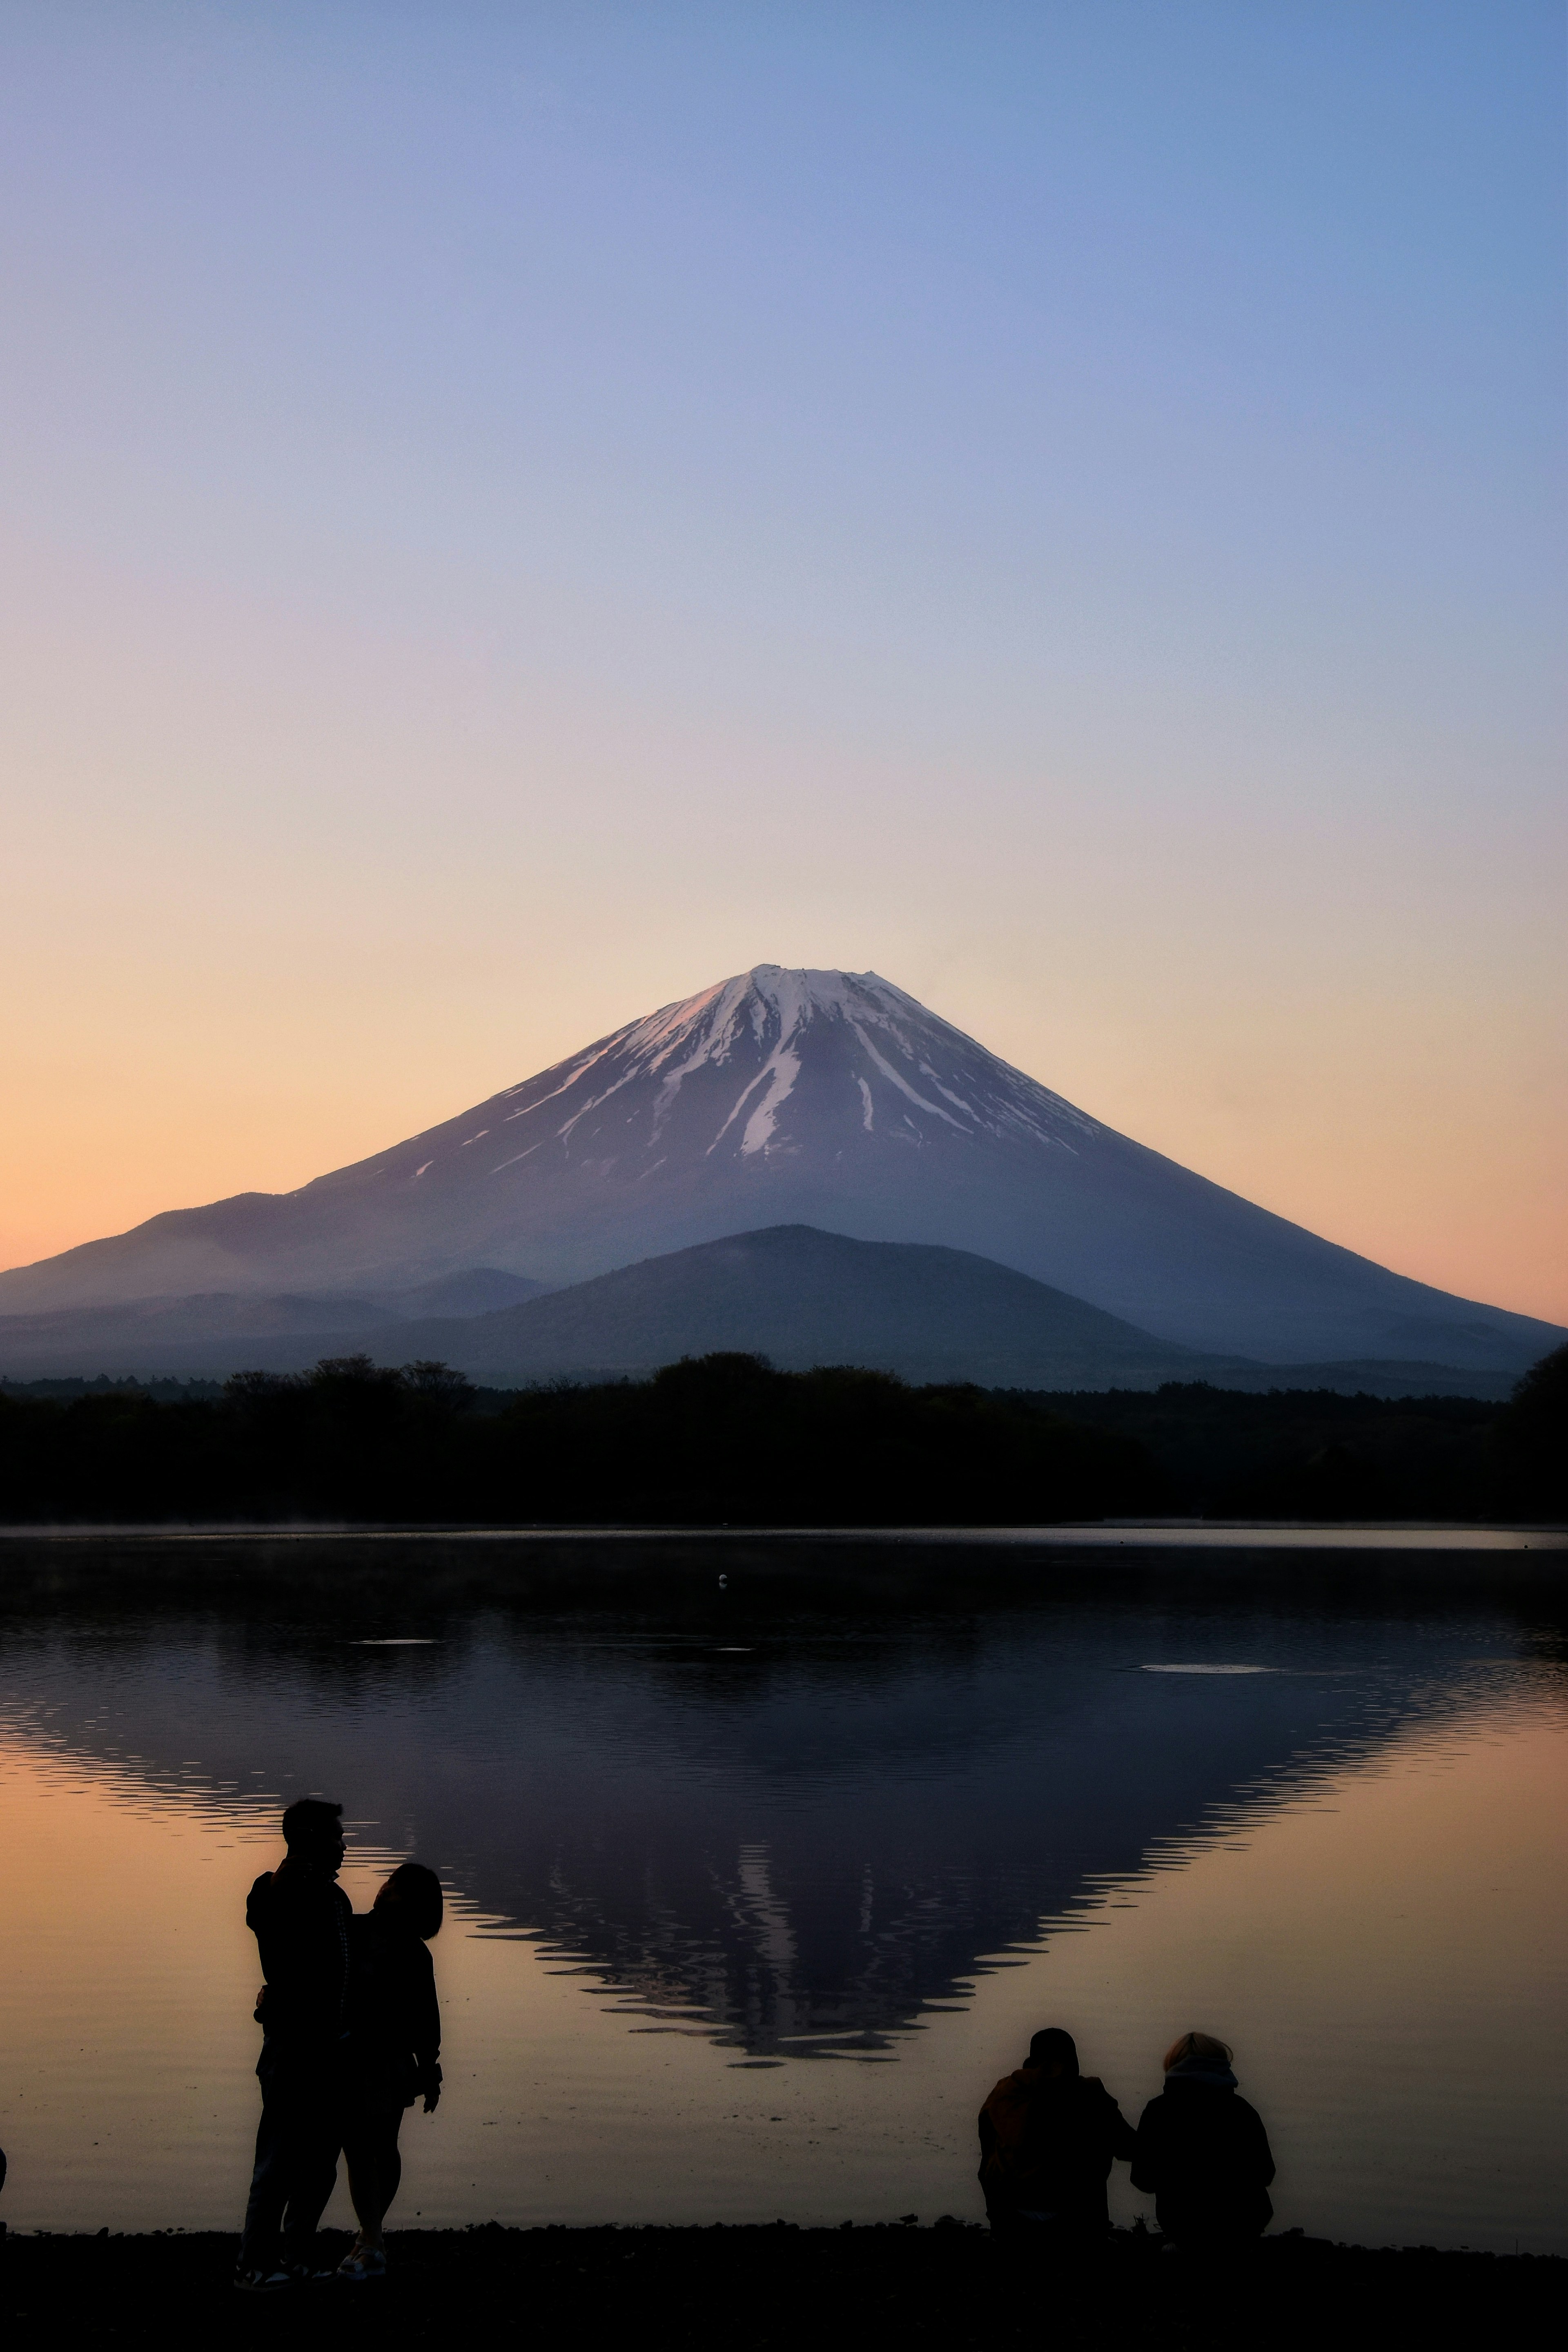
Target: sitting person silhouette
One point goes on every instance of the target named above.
(394, 2049)
(1203, 2152)
(1048, 2135)
(301, 1919)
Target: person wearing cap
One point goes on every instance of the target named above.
(1203, 2152)
(1049, 2136)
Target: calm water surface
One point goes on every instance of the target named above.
(755, 1888)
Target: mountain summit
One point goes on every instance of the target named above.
(826, 1098)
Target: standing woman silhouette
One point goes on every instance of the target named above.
(394, 2049)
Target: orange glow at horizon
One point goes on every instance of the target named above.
(126, 1100)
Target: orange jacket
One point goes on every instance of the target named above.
(1046, 2145)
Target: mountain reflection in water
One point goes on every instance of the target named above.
(788, 1828)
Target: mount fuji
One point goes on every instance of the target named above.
(781, 1097)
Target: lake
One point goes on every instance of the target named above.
(764, 1860)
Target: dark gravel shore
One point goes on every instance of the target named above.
(736, 2288)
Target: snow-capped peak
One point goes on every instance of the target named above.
(875, 1052)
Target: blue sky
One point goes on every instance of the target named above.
(514, 513)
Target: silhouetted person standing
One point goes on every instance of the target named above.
(1203, 2153)
(1049, 2136)
(394, 2049)
(301, 1919)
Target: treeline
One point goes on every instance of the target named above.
(1297, 1454)
(725, 1440)
(170, 1390)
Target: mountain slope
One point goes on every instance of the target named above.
(163, 1334)
(798, 1097)
(804, 1297)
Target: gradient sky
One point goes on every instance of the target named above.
(512, 513)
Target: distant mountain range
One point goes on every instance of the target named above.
(794, 1294)
(820, 1099)
(154, 1331)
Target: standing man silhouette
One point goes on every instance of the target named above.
(300, 1918)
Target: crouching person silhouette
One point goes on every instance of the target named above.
(301, 1917)
(1049, 2136)
(394, 2049)
(1203, 2152)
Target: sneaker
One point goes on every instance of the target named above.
(362, 2261)
(262, 2282)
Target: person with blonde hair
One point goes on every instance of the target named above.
(1203, 2152)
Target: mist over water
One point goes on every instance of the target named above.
(839, 1850)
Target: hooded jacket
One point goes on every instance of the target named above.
(1203, 2154)
(1047, 2142)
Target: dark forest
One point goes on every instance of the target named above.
(725, 1440)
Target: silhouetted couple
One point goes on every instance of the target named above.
(350, 2038)
(1049, 2136)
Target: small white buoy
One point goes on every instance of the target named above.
(723, 1580)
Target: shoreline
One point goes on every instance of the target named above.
(1132, 1535)
(950, 2284)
